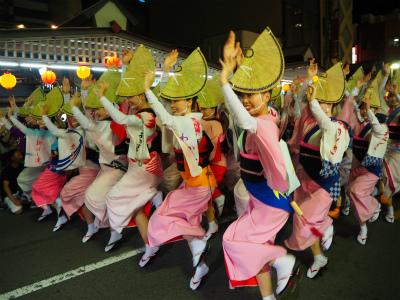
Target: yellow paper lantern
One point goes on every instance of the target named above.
(83, 72)
(315, 78)
(8, 81)
(286, 87)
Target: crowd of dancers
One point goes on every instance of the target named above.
(119, 147)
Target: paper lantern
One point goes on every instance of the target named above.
(83, 72)
(286, 87)
(8, 81)
(49, 77)
(315, 78)
(112, 61)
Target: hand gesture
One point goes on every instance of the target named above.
(75, 100)
(66, 86)
(127, 55)
(359, 83)
(312, 69)
(231, 51)
(12, 102)
(148, 80)
(101, 88)
(86, 82)
(311, 92)
(367, 77)
(170, 60)
(346, 69)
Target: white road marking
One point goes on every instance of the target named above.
(69, 275)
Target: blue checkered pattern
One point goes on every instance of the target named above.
(334, 191)
(329, 169)
(371, 161)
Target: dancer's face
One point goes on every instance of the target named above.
(255, 104)
(102, 114)
(137, 100)
(181, 107)
(208, 112)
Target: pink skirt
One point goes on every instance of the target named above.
(249, 241)
(73, 193)
(179, 215)
(315, 203)
(361, 187)
(130, 194)
(47, 187)
(95, 196)
(391, 173)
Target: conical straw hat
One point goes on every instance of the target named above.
(357, 75)
(211, 96)
(54, 100)
(276, 96)
(112, 77)
(188, 80)
(132, 81)
(36, 96)
(262, 67)
(331, 85)
(373, 93)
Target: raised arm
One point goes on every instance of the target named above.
(119, 116)
(25, 130)
(165, 117)
(58, 132)
(377, 128)
(243, 118)
(323, 120)
(6, 123)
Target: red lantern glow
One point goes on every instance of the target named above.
(49, 77)
(112, 61)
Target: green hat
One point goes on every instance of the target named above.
(262, 66)
(331, 85)
(357, 75)
(36, 96)
(189, 78)
(211, 96)
(276, 96)
(54, 100)
(112, 77)
(67, 108)
(157, 90)
(132, 81)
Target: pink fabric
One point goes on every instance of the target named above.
(130, 194)
(361, 187)
(315, 202)
(248, 242)
(391, 173)
(73, 193)
(95, 196)
(180, 214)
(47, 187)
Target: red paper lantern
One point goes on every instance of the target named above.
(49, 77)
(112, 61)
(8, 81)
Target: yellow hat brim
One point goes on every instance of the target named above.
(189, 79)
(262, 67)
(54, 101)
(35, 97)
(373, 93)
(358, 75)
(132, 81)
(331, 85)
(112, 77)
(211, 96)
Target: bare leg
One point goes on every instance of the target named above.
(142, 222)
(316, 248)
(264, 283)
(89, 217)
(210, 212)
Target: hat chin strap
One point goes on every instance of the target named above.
(255, 109)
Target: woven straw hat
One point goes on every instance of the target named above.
(357, 75)
(132, 81)
(36, 96)
(54, 100)
(189, 78)
(331, 85)
(277, 97)
(211, 96)
(262, 66)
(373, 93)
(112, 77)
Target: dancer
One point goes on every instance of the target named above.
(181, 212)
(248, 243)
(322, 141)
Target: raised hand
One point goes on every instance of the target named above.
(310, 93)
(66, 85)
(127, 55)
(148, 80)
(75, 100)
(230, 52)
(87, 82)
(170, 60)
(101, 88)
(346, 69)
(367, 77)
(12, 102)
(359, 83)
(312, 69)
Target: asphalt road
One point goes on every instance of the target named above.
(31, 252)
